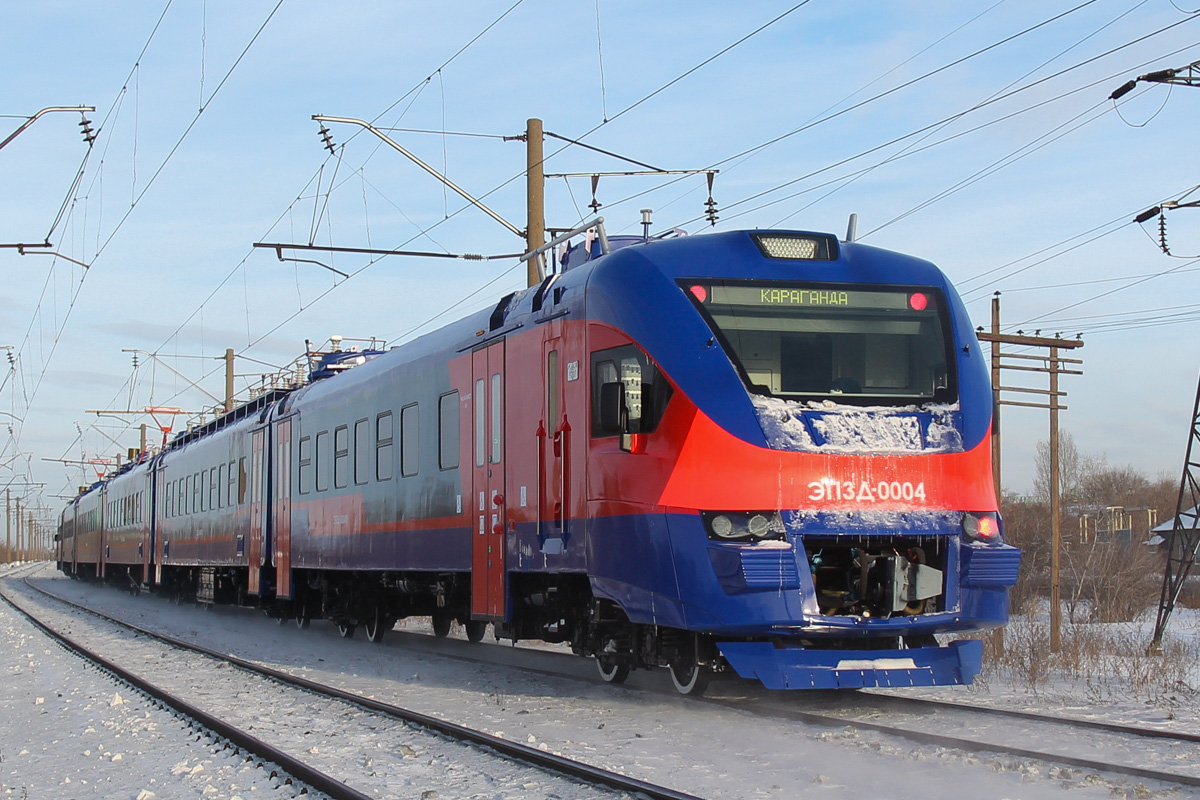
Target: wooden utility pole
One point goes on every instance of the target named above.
(535, 193)
(995, 340)
(1054, 365)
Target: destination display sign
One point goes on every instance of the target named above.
(814, 297)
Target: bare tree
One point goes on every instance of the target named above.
(1103, 579)
(1071, 468)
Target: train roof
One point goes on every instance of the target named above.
(768, 254)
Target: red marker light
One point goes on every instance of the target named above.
(918, 302)
(700, 293)
(988, 528)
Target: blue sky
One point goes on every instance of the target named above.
(1033, 193)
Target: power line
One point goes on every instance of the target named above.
(1093, 298)
(941, 122)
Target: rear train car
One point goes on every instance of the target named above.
(126, 535)
(757, 453)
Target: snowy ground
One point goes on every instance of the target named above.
(68, 730)
(76, 731)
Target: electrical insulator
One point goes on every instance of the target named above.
(595, 204)
(326, 138)
(88, 135)
(710, 205)
(1162, 233)
(135, 360)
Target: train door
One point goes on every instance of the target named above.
(102, 534)
(161, 524)
(258, 512)
(488, 548)
(281, 491)
(553, 452)
(147, 509)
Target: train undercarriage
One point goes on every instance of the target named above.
(558, 609)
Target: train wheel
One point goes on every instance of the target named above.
(689, 677)
(610, 670)
(475, 630)
(346, 630)
(303, 617)
(441, 626)
(377, 625)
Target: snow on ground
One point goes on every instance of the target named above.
(68, 730)
(641, 729)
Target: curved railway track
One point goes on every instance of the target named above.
(520, 754)
(1085, 745)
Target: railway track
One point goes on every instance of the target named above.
(603, 783)
(920, 720)
(1071, 750)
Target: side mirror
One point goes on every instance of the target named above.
(612, 407)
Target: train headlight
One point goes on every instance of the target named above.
(982, 527)
(723, 526)
(744, 527)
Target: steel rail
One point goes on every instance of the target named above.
(809, 717)
(316, 779)
(975, 746)
(1108, 727)
(513, 750)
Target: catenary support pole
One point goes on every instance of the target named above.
(228, 379)
(535, 193)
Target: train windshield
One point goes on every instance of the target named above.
(851, 343)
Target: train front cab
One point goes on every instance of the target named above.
(760, 473)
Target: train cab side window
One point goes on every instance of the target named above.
(383, 446)
(629, 394)
(448, 431)
(306, 465)
(322, 455)
(362, 451)
(341, 456)
(409, 440)
(214, 485)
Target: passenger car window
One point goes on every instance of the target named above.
(383, 446)
(409, 440)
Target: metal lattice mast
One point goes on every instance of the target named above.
(1185, 533)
